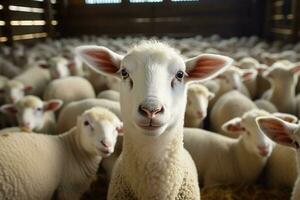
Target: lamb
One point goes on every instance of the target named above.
(230, 161)
(286, 134)
(110, 95)
(230, 105)
(67, 116)
(265, 105)
(197, 103)
(69, 89)
(15, 90)
(71, 160)
(154, 79)
(33, 114)
(36, 77)
(283, 81)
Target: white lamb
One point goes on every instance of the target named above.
(153, 99)
(198, 97)
(34, 166)
(112, 95)
(230, 105)
(221, 160)
(15, 90)
(286, 134)
(69, 89)
(67, 116)
(33, 114)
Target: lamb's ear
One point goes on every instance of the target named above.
(53, 105)
(233, 126)
(278, 130)
(286, 117)
(100, 59)
(248, 74)
(43, 65)
(9, 109)
(120, 129)
(210, 96)
(206, 66)
(295, 69)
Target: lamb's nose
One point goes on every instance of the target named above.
(150, 109)
(106, 144)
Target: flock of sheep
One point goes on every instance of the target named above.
(162, 122)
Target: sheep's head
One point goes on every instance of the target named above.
(153, 81)
(59, 67)
(197, 101)
(30, 111)
(99, 129)
(280, 131)
(15, 90)
(254, 139)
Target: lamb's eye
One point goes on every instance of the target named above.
(86, 123)
(179, 75)
(124, 74)
(39, 109)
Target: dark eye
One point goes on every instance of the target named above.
(179, 75)
(39, 109)
(296, 145)
(86, 123)
(124, 74)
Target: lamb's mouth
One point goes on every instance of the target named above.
(150, 126)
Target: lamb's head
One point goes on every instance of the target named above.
(280, 74)
(233, 78)
(197, 101)
(98, 130)
(154, 78)
(15, 90)
(254, 139)
(280, 131)
(58, 67)
(31, 111)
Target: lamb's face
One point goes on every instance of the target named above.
(30, 111)
(153, 82)
(99, 132)
(197, 102)
(59, 68)
(279, 74)
(230, 80)
(15, 90)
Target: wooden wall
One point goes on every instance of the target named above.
(205, 17)
(283, 20)
(28, 20)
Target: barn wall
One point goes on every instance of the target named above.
(206, 17)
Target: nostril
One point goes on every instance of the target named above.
(143, 111)
(105, 144)
(150, 112)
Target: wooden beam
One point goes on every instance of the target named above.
(296, 20)
(7, 17)
(48, 16)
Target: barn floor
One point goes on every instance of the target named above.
(99, 188)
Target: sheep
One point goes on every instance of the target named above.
(33, 114)
(69, 89)
(286, 134)
(283, 81)
(230, 105)
(198, 97)
(265, 105)
(15, 90)
(230, 161)
(36, 77)
(34, 166)
(154, 78)
(110, 95)
(67, 116)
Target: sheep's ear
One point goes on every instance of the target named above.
(27, 89)
(261, 68)
(248, 74)
(9, 109)
(43, 65)
(100, 59)
(120, 129)
(295, 69)
(206, 66)
(53, 105)
(233, 126)
(278, 130)
(210, 96)
(286, 117)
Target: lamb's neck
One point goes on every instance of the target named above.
(285, 90)
(48, 124)
(87, 163)
(138, 144)
(191, 121)
(247, 162)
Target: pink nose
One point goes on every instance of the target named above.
(263, 150)
(106, 144)
(150, 113)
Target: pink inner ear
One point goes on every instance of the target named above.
(120, 131)
(102, 60)
(248, 75)
(45, 66)
(206, 66)
(295, 69)
(234, 128)
(52, 106)
(10, 109)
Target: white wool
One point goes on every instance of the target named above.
(109, 95)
